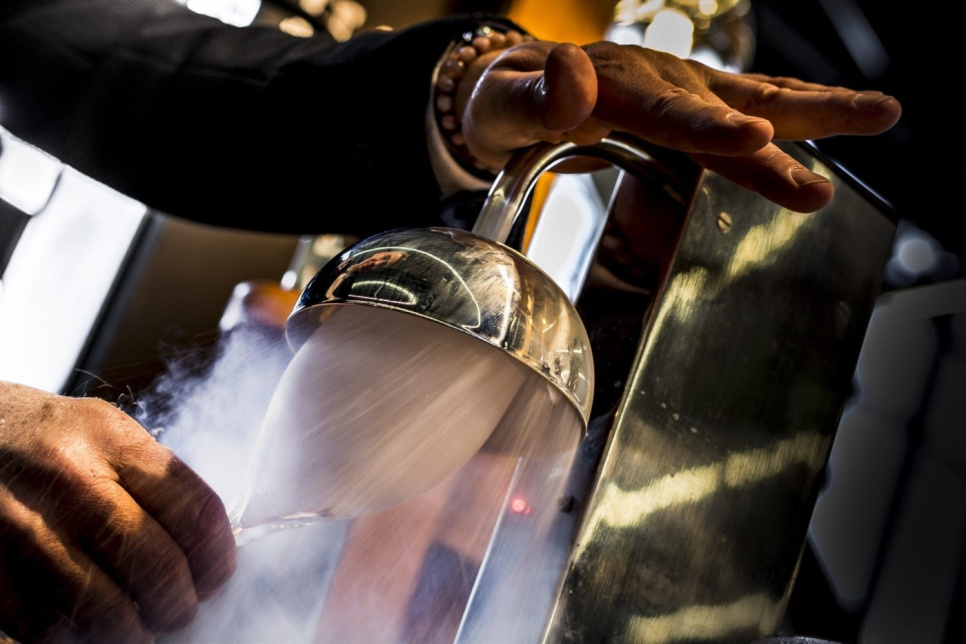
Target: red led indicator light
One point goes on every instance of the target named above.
(520, 506)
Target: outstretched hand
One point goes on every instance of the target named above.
(542, 91)
(104, 534)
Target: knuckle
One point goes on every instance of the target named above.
(156, 572)
(667, 102)
(207, 513)
(767, 93)
(110, 617)
(169, 568)
(107, 418)
(172, 602)
(213, 554)
(51, 480)
(97, 409)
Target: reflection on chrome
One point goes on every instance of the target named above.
(623, 508)
(702, 622)
(700, 504)
(683, 292)
(377, 285)
(464, 281)
(762, 246)
(509, 286)
(450, 270)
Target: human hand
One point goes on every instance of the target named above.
(105, 535)
(543, 91)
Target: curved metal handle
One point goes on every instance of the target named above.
(513, 185)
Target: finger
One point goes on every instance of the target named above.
(80, 500)
(185, 506)
(789, 82)
(588, 133)
(51, 590)
(665, 100)
(141, 556)
(774, 175)
(800, 110)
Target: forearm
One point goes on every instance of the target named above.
(244, 127)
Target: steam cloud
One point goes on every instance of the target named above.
(400, 575)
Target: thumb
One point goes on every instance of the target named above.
(536, 91)
(567, 92)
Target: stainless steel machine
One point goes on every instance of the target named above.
(690, 524)
(720, 372)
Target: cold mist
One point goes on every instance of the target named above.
(377, 424)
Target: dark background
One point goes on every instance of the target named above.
(917, 166)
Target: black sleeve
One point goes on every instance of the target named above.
(237, 126)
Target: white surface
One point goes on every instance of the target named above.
(59, 277)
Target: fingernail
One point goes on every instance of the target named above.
(740, 119)
(870, 100)
(803, 177)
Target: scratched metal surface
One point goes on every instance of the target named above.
(699, 512)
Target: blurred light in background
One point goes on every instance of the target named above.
(671, 31)
(918, 257)
(890, 526)
(718, 33)
(314, 7)
(346, 17)
(298, 18)
(27, 174)
(296, 26)
(232, 12)
(63, 267)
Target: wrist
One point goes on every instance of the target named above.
(454, 78)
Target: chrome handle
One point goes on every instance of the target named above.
(513, 185)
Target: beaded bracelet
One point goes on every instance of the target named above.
(446, 78)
